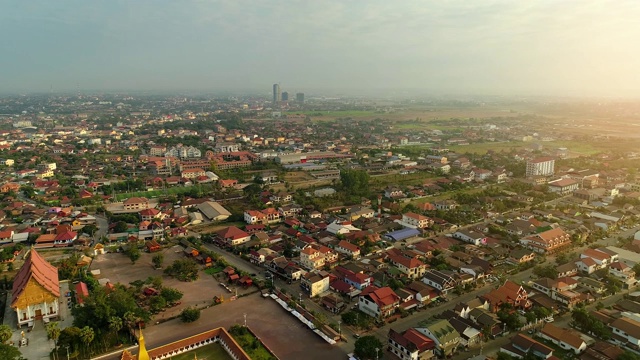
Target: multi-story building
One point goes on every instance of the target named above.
(349, 249)
(277, 95)
(543, 166)
(412, 268)
(311, 258)
(136, 203)
(378, 302)
(547, 241)
(157, 150)
(417, 220)
(411, 345)
(184, 152)
(314, 284)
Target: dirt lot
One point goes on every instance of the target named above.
(118, 269)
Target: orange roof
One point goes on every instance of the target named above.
(41, 271)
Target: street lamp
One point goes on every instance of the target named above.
(377, 353)
(339, 330)
(300, 298)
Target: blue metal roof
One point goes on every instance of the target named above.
(403, 234)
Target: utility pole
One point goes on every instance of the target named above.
(67, 352)
(339, 330)
(245, 319)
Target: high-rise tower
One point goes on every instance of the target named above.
(277, 95)
(300, 97)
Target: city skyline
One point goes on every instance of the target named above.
(484, 48)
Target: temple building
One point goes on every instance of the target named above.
(36, 290)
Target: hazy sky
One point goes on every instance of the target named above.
(527, 47)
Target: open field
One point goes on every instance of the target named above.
(118, 269)
(209, 352)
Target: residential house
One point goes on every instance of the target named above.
(149, 214)
(592, 285)
(626, 332)
(411, 267)
(601, 259)
(233, 236)
(349, 249)
(411, 345)
(520, 256)
(509, 293)
(444, 335)
(378, 302)
(439, 280)
(470, 237)
(522, 345)
(314, 284)
(416, 220)
(311, 258)
(587, 265)
(393, 193)
(564, 338)
(624, 272)
(469, 335)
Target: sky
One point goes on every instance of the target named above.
(533, 47)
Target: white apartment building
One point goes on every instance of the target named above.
(542, 166)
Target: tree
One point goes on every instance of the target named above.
(504, 356)
(548, 271)
(120, 227)
(5, 333)
(183, 270)
(366, 346)
(115, 324)
(53, 332)
(87, 335)
(157, 303)
(190, 314)
(355, 182)
(133, 253)
(8, 352)
(90, 229)
(171, 295)
(157, 260)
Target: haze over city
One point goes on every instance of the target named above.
(586, 48)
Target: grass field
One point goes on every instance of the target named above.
(482, 148)
(213, 270)
(253, 347)
(338, 114)
(157, 193)
(210, 352)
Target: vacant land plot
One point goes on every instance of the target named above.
(118, 269)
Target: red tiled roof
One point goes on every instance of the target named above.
(232, 232)
(41, 271)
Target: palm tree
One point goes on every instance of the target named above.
(53, 333)
(115, 324)
(87, 335)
